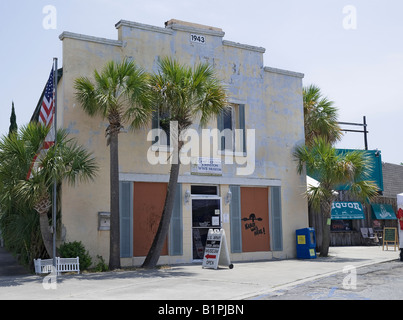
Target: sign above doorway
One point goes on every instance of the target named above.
(206, 166)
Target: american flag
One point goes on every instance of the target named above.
(46, 116)
(47, 111)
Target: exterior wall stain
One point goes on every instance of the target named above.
(71, 128)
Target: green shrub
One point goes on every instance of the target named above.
(101, 266)
(76, 249)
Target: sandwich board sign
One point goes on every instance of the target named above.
(389, 237)
(216, 250)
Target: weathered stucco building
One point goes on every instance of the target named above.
(248, 186)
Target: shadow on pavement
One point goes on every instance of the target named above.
(9, 265)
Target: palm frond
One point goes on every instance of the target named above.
(85, 94)
(118, 93)
(332, 169)
(66, 160)
(364, 190)
(320, 116)
(317, 194)
(187, 93)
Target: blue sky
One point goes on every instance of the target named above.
(359, 67)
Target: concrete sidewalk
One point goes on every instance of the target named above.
(192, 282)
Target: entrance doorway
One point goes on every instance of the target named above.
(206, 214)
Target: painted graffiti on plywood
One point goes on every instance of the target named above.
(251, 225)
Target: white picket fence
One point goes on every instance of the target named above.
(62, 265)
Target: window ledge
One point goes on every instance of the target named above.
(162, 148)
(232, 153)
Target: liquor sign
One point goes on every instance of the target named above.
(347, 210)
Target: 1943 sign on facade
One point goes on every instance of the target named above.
(197, 38)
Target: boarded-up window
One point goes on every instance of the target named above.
(255, 219)
(148, 203)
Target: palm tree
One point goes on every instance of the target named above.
(182, 94)
(66, 161)
(320, 116)
(333, 169)
(19, 224)
(119, 94)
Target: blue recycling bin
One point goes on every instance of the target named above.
(306, 243)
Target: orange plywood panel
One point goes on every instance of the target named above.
(148, 203)
(255, 219)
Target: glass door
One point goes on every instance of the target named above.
(206, 214)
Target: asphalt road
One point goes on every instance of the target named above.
(383, 281)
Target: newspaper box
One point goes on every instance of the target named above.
(306, 243)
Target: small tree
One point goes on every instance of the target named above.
(119, 94)
(333, 169)
(67, 161)
(182, 94)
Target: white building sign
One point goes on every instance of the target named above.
(206, 166)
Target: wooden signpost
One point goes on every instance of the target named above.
(389, 236)
(216, 252)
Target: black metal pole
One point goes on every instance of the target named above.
(365, 133)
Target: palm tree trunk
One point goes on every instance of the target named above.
(114, 253)
(42, 207)
(326, 210)
(47, 236)
(163, 228)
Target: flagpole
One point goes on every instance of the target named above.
(54, 215)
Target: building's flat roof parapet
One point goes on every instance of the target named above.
(172, 25)
(83, 37)
(243, 46)
(193, 27)
(284, 72)
(142, 26)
